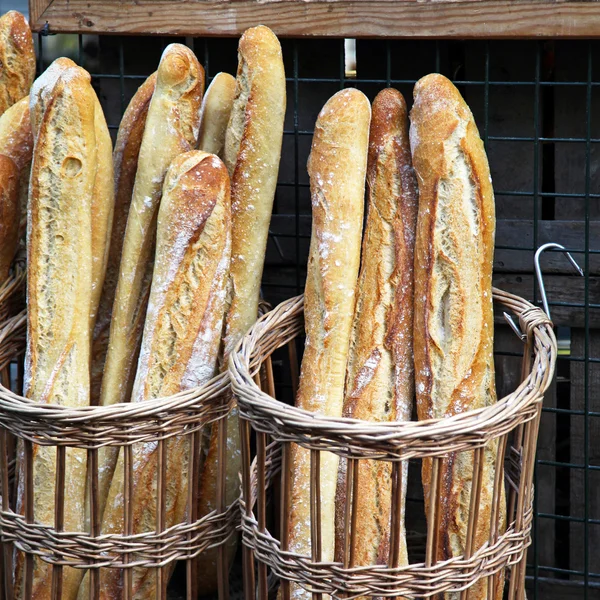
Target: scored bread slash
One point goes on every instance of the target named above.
(454, 362)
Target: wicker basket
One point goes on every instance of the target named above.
(90, 428)
(513, 421)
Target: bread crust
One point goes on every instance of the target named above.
(380, 376)
(16, 139)
(103, 207)
(171, 129)
(215, 113)
(42, 87)
(182, 338)
(59, 294)
(17, 59)
(125, 161)
(252, 153)
(453, 336)
(9, 213)
(337, 169)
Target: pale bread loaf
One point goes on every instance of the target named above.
(215, 113)
(171, 129)
(182, 338)
(59, 292)
(337, 169)
(380, 376)
(17, 59)
(454, 327)
(125, 161)
(252, 152)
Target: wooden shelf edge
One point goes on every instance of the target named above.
(491, 19)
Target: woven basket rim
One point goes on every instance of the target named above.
(533, 320)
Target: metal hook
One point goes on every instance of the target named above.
(538, 270)
(522, 336)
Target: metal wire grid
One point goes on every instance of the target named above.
(381, 64)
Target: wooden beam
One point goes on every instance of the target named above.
(37, 8)
(341, 18)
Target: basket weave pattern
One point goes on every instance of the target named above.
(513, 421)
(93, 427)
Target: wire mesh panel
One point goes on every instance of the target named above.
(536, 104)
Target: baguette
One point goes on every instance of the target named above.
(337, 169)
(252, 152)
(102, 208)
(9, 214)
(16, 143)
(454, 328)
(380, 375)
(182, 337)
(125, 160)
(16, 139)
(59, 292)
(215, 113)
(171, 129)
(17, 59)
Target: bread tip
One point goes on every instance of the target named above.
(345, 104)
(175, 64)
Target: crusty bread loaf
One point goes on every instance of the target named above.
(125, 162)
(59, 291)
(171, 129)
(380, 376)
(182, 338)
(17, 59)
(252, 152)
(337, 169)
(215, 113)
(453, 335)
(102, 208)
(9, 213)
(16, 142)
(16, 139)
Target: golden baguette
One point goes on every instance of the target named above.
(171, 129)
(337, 169)
(252, 152)
(182, 338)
(380, 375)
(454, 325)
(9, 214)
(16, 142)
(17, 59)
(59, 295)
(125, 161)
(216, 110)
(103, 206)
